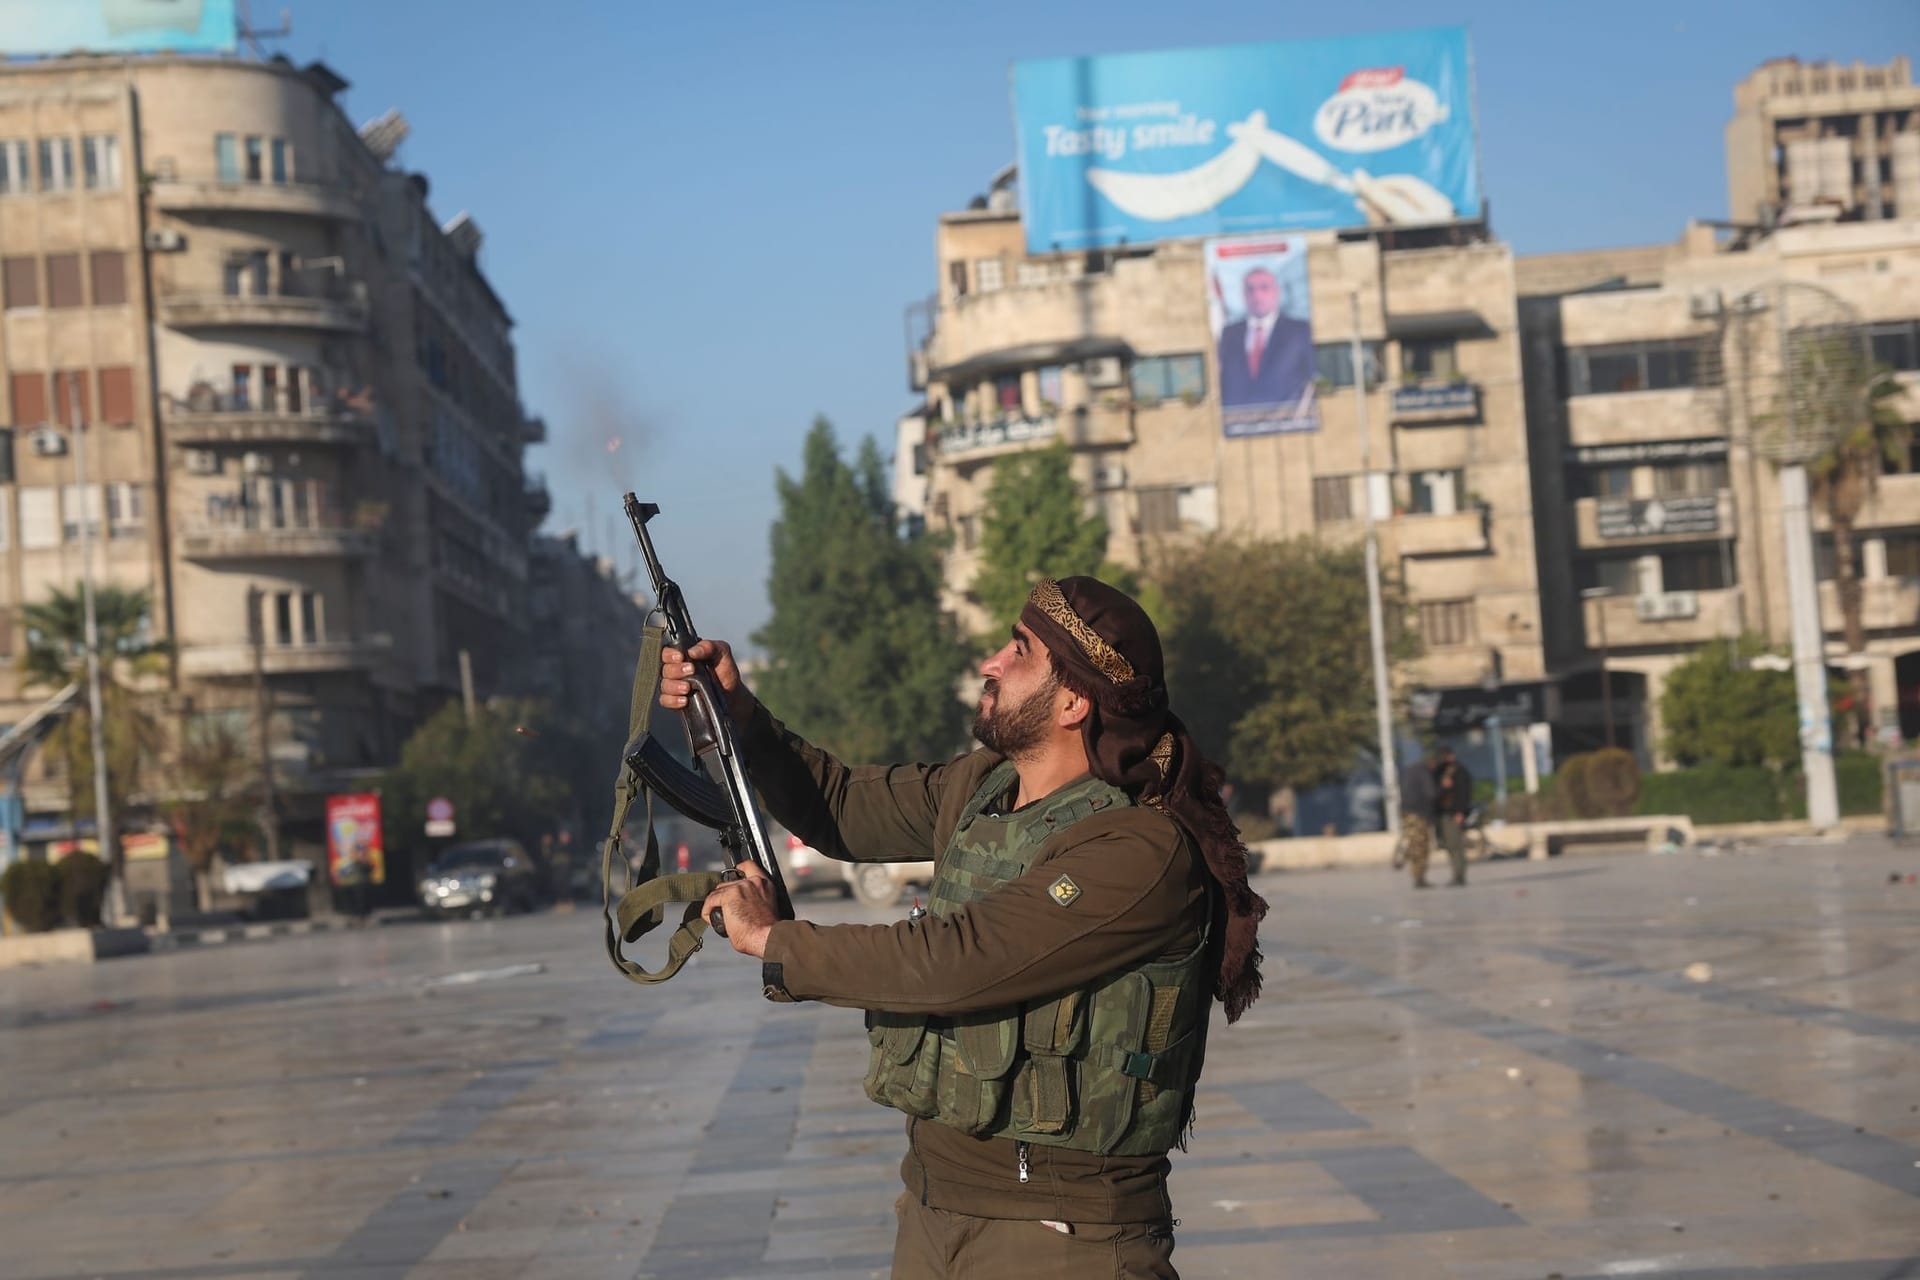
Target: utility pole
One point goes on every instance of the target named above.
(466, 683)
(1376, 627)
(96, 730)
(263, 712)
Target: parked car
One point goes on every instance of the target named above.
(877, 884)
(480, 877)
(268, 890)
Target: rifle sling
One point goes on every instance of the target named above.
(642, 907)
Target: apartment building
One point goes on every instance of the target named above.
(1822, 140)
(1112, 353)
(302, 426)
(1648, 410)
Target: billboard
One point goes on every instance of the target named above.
(355, 854)
(31, 27)
(1133, 148)
(1257, 307)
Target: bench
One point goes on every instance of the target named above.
(1544, 839)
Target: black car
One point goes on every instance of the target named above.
(481, 877)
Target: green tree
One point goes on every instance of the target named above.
(1719, 707)
(860, 658)
(1870, 434)
(56, 655)
(1268, 657)
(1036, 524)
(214, 803)
(501, 771)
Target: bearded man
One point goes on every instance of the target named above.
(1043, 1027)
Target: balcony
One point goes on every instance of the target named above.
(1886, 604)
(1424, 403)
(1657, 621)
(1459, 533)
(229, 660)
(1895, 503)
(220, 421)
(206, 542)
(338, 314)
(300, 200)
(538, 500)
(979, 440)
(1643, 417)
(1610, 523)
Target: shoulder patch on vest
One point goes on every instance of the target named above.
(1064, 891)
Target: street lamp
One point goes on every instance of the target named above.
(1598, 594)
(1376, 627)
(75, 438)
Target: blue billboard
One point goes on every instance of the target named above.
(38, 27)
(1133, 148)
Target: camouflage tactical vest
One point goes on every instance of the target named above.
(1107, 1068)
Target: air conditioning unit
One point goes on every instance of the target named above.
(201, 462)
(1667, 606)
(1705, 304)
(48, 443)
(1104, 372)
(165, 240)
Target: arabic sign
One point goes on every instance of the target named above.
(1134, 148)
(355, 852)
(1656, 517)
(1453, 710)
(1454, 398)
(1612, 455)
(1257, 307)
(30, 27)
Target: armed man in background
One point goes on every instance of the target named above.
(1044, 1026)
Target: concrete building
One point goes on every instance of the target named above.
(304, 426)
(1815, 140)
(1648, 408)
(1112, 353)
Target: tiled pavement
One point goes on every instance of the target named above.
(1692, 1066)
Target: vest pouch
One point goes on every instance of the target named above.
(1116, 1028)
(1052, 1033)
(980, 1069)
(905, 1064)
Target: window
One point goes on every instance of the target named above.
(126, 510)
(1693, 571)
(1637, 366)
(1826, 564)
(56, 164)
(957, 278)
(100, 153)
(116, 396)
(14, 177)
(283, 617)
(1429, 357)
(6, 524)
(242, 388)
(19, 283)
(1052, 391)
(1160, 509)
(270, 388)
(226, 156)
(1619, 576)
(1689, 479)
(28, 392)
(67, 385)
(1438, 493)
(1603, 482)
(256, 159)
(1332, 499)
(245, 275)
(282, 161)
(1333, 363)
(1446, 622)
(1903, 555)
(77, 505)
(63, 280)
(969, 528)
(989, 275)
(1896, 345)
(109, 269)
(39, 518)
(1006, 392)
(1159, 378)
(310, 617)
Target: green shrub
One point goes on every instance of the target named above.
(32, 891)
(1715, 793)
(1600, 784)
(83, 883)
(1859, 776)
(1570, 783)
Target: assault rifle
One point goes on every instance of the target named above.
(717, 795)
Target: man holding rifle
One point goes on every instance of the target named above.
(1044, 1025)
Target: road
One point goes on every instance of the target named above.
(1700, 1066)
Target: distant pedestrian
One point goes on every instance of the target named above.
(1453, 804)
(1418, 796)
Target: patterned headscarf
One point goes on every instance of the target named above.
(1105, 649)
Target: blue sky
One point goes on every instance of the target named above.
(708, 219)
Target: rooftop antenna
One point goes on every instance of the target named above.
(253, 35)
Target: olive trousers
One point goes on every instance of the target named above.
(935, 1244)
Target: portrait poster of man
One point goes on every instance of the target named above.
(1257, 301)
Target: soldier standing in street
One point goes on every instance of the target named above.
(1454, 803)
(1044, 1026)
(1418, 795)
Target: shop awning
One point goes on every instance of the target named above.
(26, 735)
(1031, 355)
(1439, 324)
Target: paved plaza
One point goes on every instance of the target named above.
(1691, 1065)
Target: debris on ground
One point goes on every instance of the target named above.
(1699, 971)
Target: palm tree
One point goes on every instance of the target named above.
(1845, 475)
(56, 656)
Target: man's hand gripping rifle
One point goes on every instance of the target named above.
(717, 794)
